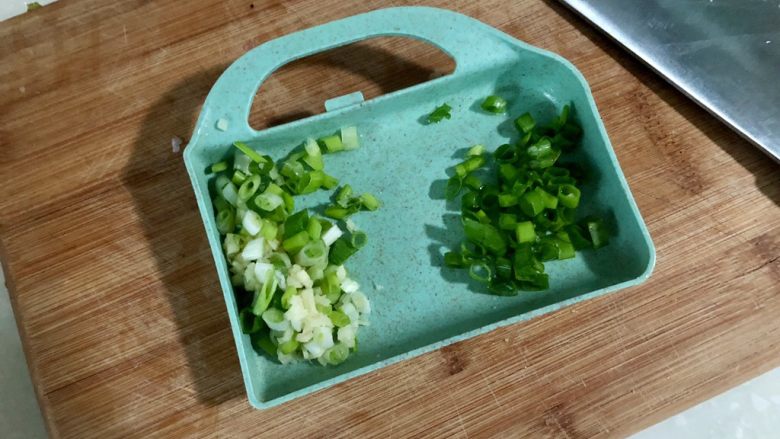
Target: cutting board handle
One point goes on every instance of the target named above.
(469, 42)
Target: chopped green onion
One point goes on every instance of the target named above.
(507, 200)
(569, 195)
(221, 204)
(506, 153)
(296, 242)
(340, 251)
(507, 221)
(249, 322)
(268, 201)
(314, 229)
(454, 259)
(494, 104)
(249, 187)
(313, 155)
(249, 152)
(289, 346)
(440, 113)
(289, 292)
(219, 167)
(524, 232)
(473, 182)
(454, 185)
(476, 150)
(312, 254)
(339, 319)
(532, 203)
(336, 354)
(485, 235)
(238, 177)
(599, 236)
(480, 271)
(310, 182)
(527, 214)
(358, 239)
(296, 223)
(226, 221)
(261, 342)
(344, 195)
(264, 295)
(292, 169)
(349, 138)
(369, 201)
(525, 123)
(336, 212)
(329, 182)
(332, 143)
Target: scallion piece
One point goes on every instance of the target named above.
(476, 150)
(369, 201)
(313, 155)
(454, 259)
(329, 182)
(494, 104)
(295, 243)
(454, 185)
(485, 235)
(358, 239)
(340, 251)
(332, 143)
(599, 236)
(249, 322)
(226, 221)
(268, 201)
(525, 232)
(507, 200)
(261, 342)
(219, 167)
(525, 123)
(249, 187)
(314, 229)
(310, 182)
(249, 152)
(343, 196)
(296, 223)
(440, 113)
(532, 203)
(507, 221)
(480, 272)
(349, 138)
(569, 195)
(238, 177)
(337, 212)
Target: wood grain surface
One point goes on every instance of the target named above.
(118, 302)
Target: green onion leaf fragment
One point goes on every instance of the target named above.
(494, 104)
(332, 143)
(349, 138)
(249, 152)
(440, 113)
(525, 123)
(219, 167)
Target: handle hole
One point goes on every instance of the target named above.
(375, 66)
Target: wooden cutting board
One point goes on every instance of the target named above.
(118, 302)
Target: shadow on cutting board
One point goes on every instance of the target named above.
(158, 182)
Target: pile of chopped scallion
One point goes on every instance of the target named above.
(296, 299)
(519, 205)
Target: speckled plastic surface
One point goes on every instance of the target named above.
(417, 305)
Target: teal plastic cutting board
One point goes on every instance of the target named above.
(418, 306)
